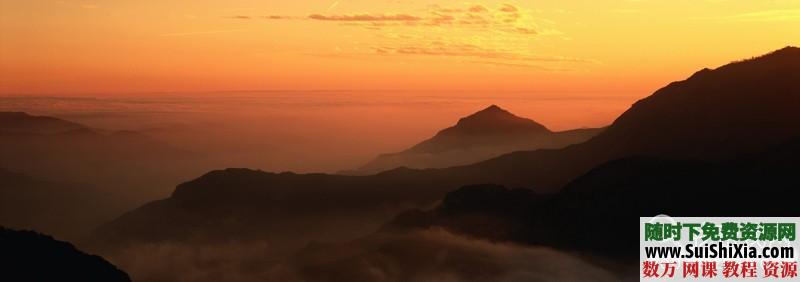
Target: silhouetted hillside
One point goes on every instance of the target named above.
(30, 256)
(67, 210)
(617, 193)
(734, 112)
(478, 128)
(19, 122)
(59, 149)
(117, 171)
(485, 134)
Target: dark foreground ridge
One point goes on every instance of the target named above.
(595, 212)
(30, 256)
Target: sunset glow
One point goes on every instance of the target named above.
(399, 140)
(618, 47)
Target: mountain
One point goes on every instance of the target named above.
(734, 112)
(485, 134)
(480, 129)
(52, 148)
(60, 149)
(30, 256)
(64, 209)
(616, 192)
(19, 122)
(68, 177)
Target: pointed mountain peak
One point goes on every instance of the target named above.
(492, 113)
(493, 120)
(493, 108)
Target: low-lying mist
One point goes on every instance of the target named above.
(429, 255)
(326, 131)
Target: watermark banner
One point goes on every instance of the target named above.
(718, 248)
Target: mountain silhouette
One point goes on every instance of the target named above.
(68, 176)
(53, 148)
(485, 134)
(617, 192)
(65, 209)
(735, 112)
(30, 256)
(477, 130)
(20, 122)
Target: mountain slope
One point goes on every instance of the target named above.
(479, 129)
(51, 148)
(485, 134)
(67, 210)
(69, 177)
(736, 111)
(618, 191)
(19, 122)
(30, 256)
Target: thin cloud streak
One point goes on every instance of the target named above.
(364, 18)
(201, 32)
(469, 33)
(760, 16)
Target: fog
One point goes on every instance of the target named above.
(429, 255)
(326, 131)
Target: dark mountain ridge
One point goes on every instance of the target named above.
(615, 193)
(66, 209)
(491, 121)
(488, 133)
(70, 177)
(736, 111)
(20, 122)
(30, 256)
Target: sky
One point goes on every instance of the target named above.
(599, 46)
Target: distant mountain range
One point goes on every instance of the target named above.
(66, 209)
(732, 114)
(64, 178)
(485, 134)
(617, 192)
(65, 150)
(23, 123)
(30, 256)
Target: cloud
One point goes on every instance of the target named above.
(333, 5)
(365, 18)
(200, 32)
(499, 36)
(478, 9)
(508, 8)
(473, 17)
(429, 255)
(498, 57)
(762, 16)
(277, 17)
(626, 11)
(436, 255)
(508, 19)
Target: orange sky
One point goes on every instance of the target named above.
(600, 46)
